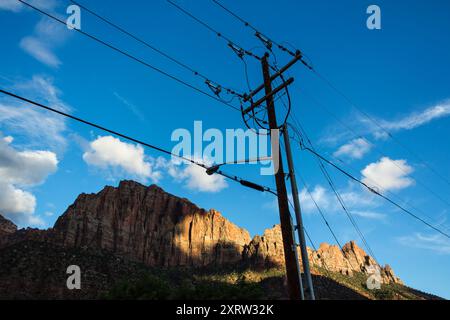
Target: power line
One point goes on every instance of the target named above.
(130, 56)
(389, 134)
(341, 201)
(151, 146)
(377, 148)
(380, 188)
(374, 191)
(147, 44)
(365, 114)
(261, 36)
(347, 164)
(240, 51)
(320, 212)
(326, 221)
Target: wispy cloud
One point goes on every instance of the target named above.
(411, 121)
(16, 6)
(436, 242)
(369, 214)
(355, 149)
(39, 127)
(358, 201)
(130, 106)
(47, 36)
(40, 51)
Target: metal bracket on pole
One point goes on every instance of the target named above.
(274, 92)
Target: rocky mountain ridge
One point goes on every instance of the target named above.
(150, 226)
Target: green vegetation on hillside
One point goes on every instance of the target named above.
(249, 284)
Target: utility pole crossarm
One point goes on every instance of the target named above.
(274, 76)
(274, 92)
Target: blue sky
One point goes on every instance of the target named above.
(398, 75)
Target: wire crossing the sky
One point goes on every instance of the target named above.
(268, 42)
(320, 212)
(341, 200)
(374, 191)
(239, 50)
(159, 51)
(138, 60)
(151, 146)
(378, 149)
(386, 131)
(341, 93)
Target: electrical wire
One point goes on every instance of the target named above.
(378, 149)
(374, 191)
(377, 124)
(130, 56)
(342, 203)
(164, 54)
(151, 146)
(261, 36)
(240, 51)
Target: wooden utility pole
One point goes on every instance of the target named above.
(293, 272)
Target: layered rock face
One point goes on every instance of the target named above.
(151, 226)
(6, 227)
(267, 250)
(148, 225)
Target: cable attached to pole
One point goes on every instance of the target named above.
(151, 146)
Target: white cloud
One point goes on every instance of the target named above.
(360, 202)
(16, 201)
(40, 127)
(11, 5)
(336, 134)
(368, 214)
(117, 158)
(388, 174)
(20, 170)
(418, 119)
(16, 6)
(109, 153)
(436, 242)
(320, 196)
(47, 36)
(355, 149)
(411, 121)
(194, 177)
(40, 51)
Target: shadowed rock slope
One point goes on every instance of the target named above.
(124, 232)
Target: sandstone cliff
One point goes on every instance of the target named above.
(148, 225)
(267, 250)
(6, 227)
(151, 226)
